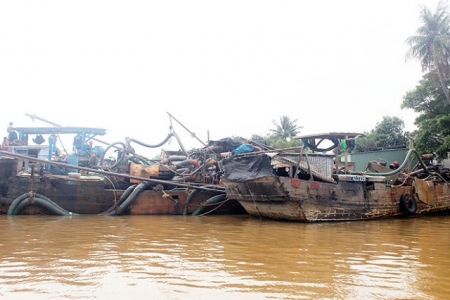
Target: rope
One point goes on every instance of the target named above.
(218, 205)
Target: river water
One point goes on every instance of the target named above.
(222, 257)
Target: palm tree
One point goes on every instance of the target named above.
(285, 129)
(431, 45)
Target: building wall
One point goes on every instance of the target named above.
(360, 160)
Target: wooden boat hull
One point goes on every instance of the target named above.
(285, 198)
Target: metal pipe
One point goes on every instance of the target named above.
(192, 134)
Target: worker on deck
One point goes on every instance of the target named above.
(93, 160)
(77, 141)
(12, 134)
(10, 127)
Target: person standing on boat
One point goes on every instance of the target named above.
(52, 144)
(77, 141)
(12, 135)
(93, 160)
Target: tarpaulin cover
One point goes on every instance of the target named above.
(243, 168)
(244, 148)
(227, 144)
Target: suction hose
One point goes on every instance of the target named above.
(211, 200)
(26, 199)
(188, 199)
(122, 198)
(120, 208)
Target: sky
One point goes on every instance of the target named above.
(221, 68)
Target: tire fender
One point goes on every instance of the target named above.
(408, 203)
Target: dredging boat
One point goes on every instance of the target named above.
(310, 186)
(40, 178)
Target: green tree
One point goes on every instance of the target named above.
(286, 129)
(433, 123)
(257, 138)
(431, 44)
(367, 143)
(390, 132)
(387, 134)
(282, 144)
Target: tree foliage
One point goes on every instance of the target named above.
(282, 144)
(431, 44)
(433, 123)
(388, 133)
(282, 135)
(367, 143)
(285, 129)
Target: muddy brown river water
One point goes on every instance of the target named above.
(222, 257)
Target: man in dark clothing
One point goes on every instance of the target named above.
(12, 135)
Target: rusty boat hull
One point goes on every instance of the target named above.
(50, 194)
(284, 198)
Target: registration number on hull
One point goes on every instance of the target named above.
(357, 178)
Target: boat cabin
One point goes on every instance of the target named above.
(40, 142)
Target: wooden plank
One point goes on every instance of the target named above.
(143, 171)
(425, 191)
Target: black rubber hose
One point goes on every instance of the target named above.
(16, 202)
(188, 199)
(110, 146)
(121, 208)
(153, 146)
(20, 206)
(122, 198)
(211, 200)
(43, 202)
